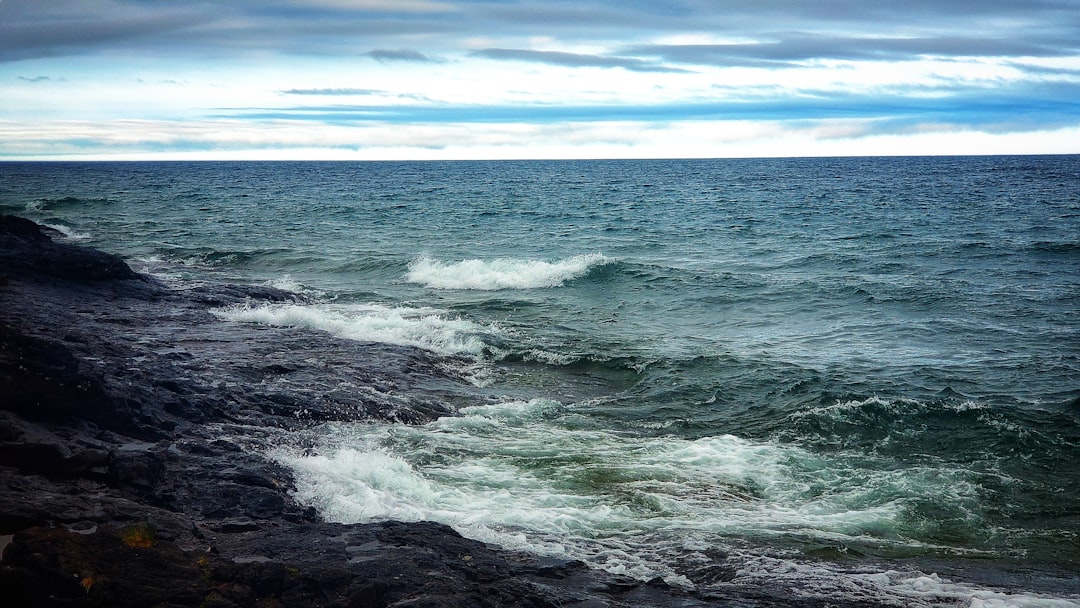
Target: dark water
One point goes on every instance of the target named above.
(861, 374)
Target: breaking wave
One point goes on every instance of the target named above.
(501, 273)
(427, 328)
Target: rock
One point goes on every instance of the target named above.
(26, 247)
(42, 378)
(56, 567)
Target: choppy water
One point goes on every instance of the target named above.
(860, 376)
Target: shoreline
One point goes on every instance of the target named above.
(122, 489)
(133, 439)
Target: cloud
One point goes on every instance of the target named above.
(383, 55)
(843, 29)
(30, 29)
(575, 60)
(793, 48)
(35, 78)
(410, 6)
(354, 92)
(1036, 104)
(145, 139)
(341, 91)
(1069, 72)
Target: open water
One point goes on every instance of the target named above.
(855, 378)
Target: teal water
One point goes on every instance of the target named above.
(831, 363)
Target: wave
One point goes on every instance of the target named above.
(69, 233)
(513, 474)
(501, 273)
(287, 283)
(225, 257)
(540, 469)
(1057, 247)
(55, 203)
(425, 328)
(902, 426)
(537, 476)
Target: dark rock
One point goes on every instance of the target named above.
(56, 567)
(137, 467)
(232, 526)
(224, 295)
(43, 379)
(26, 247)
(550, 567)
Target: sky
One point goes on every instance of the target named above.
(495, 79)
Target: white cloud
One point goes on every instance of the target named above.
(412, 6)
(132, 139)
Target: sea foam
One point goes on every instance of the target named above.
(533, 475)
(426, 328)
(501, 273)
(510, 473)
(69, 233)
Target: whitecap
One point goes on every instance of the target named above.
(426, 328)
(287, 283)
(530, 474)
(69, 233)
(501, 273)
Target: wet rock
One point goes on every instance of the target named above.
(225, 295)
(43, 379)
(110, 567)
(27, 247)
(137, 467)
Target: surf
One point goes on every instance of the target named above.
(426, 328)
(501, 273)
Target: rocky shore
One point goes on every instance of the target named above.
(134, 425)
(129, 423)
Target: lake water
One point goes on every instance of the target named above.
(859, 378)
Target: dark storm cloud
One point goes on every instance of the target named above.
(574, 60)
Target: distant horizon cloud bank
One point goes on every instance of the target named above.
(747, 139)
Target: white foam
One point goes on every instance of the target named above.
(69, 233)
(540, 476)
(910, 589)
(501, 273)
(287, 283)
(425, 328)
(528, 472)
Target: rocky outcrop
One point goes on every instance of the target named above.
(130, 422)
(28, 247)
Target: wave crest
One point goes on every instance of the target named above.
(501, 273)
(424, 328)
